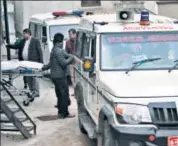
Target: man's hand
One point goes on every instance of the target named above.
(43, 68)
(77, 61)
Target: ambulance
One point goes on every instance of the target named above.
(126, 83)
(45, 26)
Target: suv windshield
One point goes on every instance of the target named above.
(120, 50)
(61, 29)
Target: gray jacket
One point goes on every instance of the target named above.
(34, 51)
(59, 61)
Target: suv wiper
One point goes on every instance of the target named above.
(138, 63)
(176, 64)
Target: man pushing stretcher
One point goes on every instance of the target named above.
(29, 49)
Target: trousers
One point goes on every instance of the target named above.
(33, 84)
(62, 94)
(25, 80)
(72, 75)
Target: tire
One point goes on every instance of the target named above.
(82, 129)
(25, 103)
(106, 138)
(80, 104)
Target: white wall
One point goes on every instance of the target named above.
(25, 9)
(168, 9)
(152, 5)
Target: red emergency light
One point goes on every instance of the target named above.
(59, 13)
(63, 13)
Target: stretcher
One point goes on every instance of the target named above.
(16, 69)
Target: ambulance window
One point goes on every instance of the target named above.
(44, 31)
(38, 31)
(79, 44)
(32, 28)
(86, 46)
(93, 48)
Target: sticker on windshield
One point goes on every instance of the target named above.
(147, 28)
(152, 38)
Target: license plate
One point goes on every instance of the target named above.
(173, 141)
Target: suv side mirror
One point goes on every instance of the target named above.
(88, 64)
(44, 39)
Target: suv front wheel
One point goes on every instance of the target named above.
(106, 138)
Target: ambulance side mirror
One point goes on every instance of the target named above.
(44, 39)
(88, 64)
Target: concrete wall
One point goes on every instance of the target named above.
(25, 9)
(152, 5)
(169, 9)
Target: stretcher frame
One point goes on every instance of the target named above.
(21, 71)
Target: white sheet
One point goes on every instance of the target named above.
(12, 65)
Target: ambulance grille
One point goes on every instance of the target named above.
(164, 113)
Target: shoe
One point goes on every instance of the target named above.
(60, 116)
(65, 116)
(36, 95)
(25, 87)
(70, 116)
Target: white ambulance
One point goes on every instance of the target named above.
(45, 26)
(127, 81)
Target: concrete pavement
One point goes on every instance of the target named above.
(49, 133)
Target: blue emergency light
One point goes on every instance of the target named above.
(144, 20)
(77, 12)
(63, 13)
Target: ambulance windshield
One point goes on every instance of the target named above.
(61, 29)
(120, 50)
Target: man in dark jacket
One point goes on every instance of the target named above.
(59, 60)
(29, 49)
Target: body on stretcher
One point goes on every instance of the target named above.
(21, 68)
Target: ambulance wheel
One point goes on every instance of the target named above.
(82, 129)
(106, 138)
(26, 103)
(81, 108)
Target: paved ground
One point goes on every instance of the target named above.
(49, 133)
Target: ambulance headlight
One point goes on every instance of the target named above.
(133, 114)
(124, 15)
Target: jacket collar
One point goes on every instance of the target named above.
(60, 45)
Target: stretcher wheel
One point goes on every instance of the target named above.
(32, 99)
(26, 103)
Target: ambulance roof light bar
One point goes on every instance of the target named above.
(65, 13)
